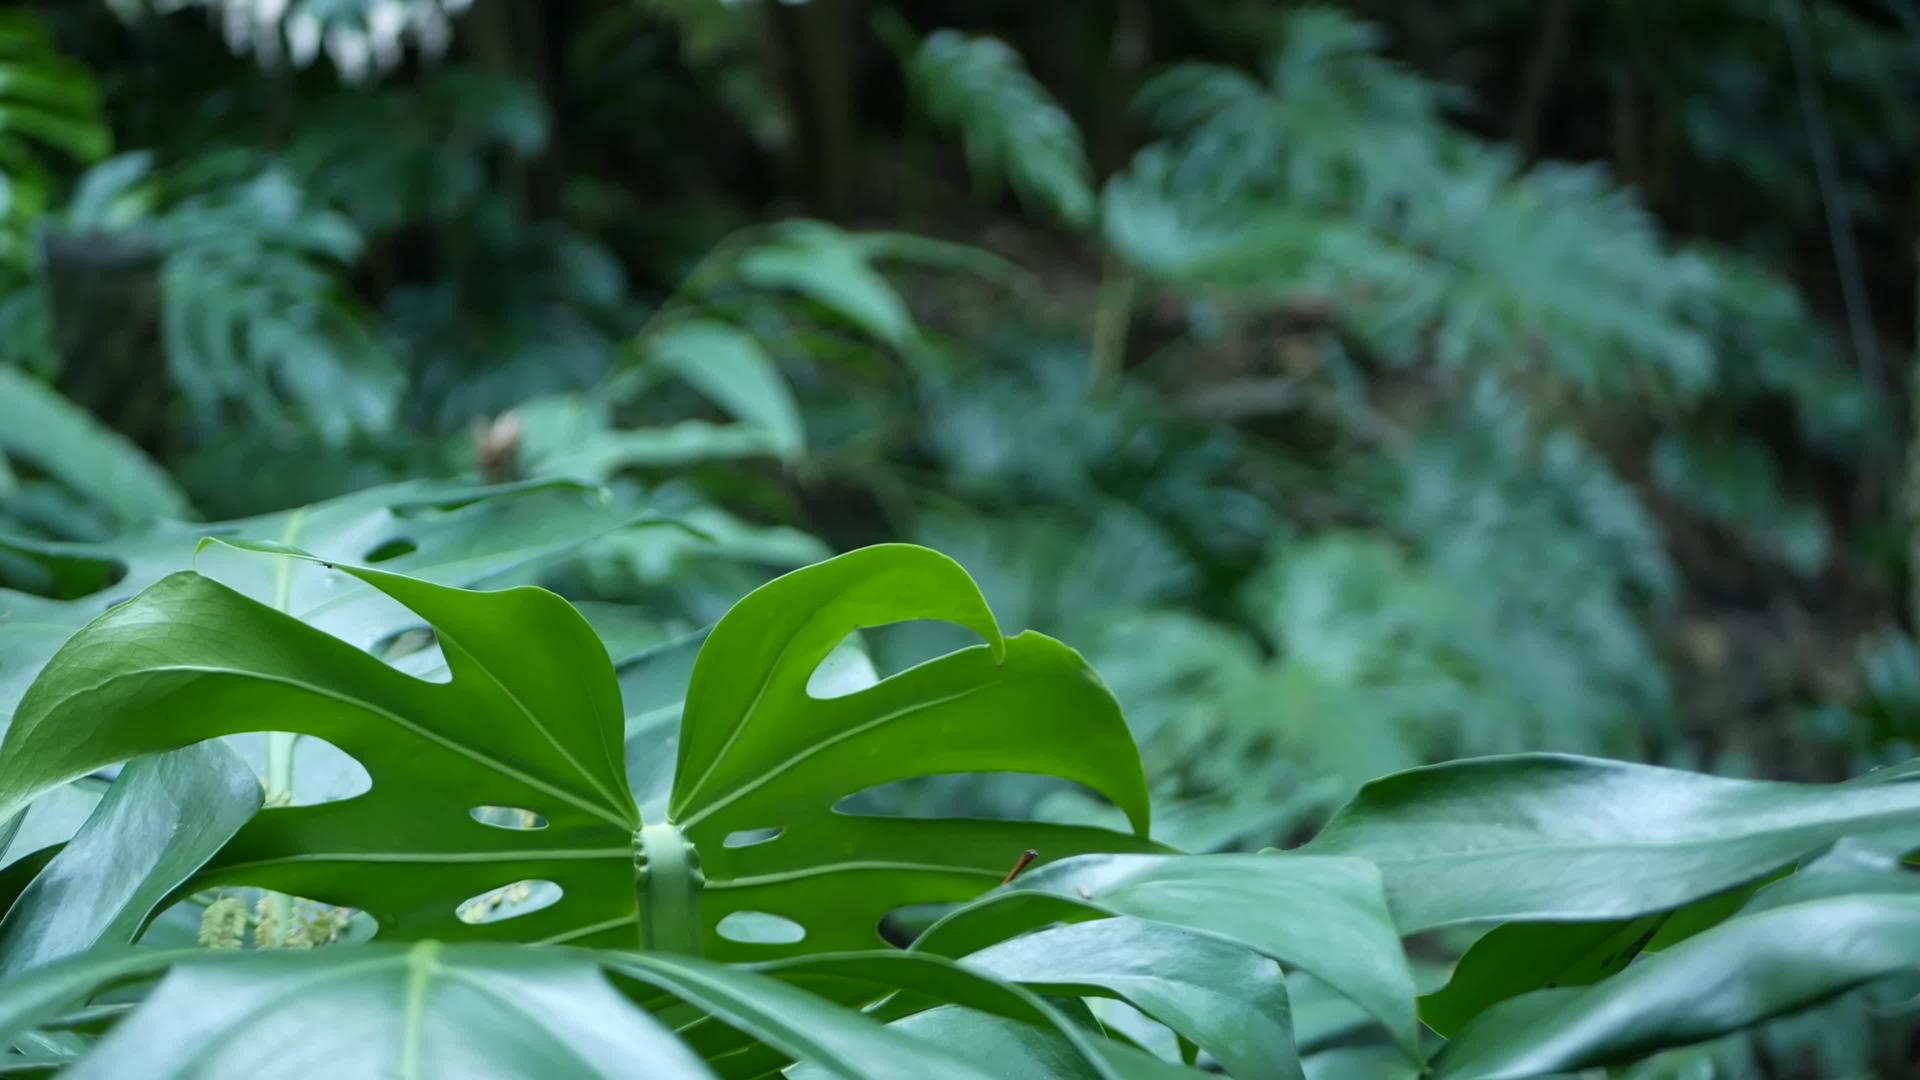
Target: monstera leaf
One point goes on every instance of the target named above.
(757, 751)
(530, 720)
(454, 534)
(443, 1010)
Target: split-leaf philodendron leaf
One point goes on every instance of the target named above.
(531, 719)
(452, 534)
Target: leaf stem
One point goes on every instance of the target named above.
(280, 744)
(667, 883)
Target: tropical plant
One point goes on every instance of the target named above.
(1013, 131)
(740, 931)
(47, 102)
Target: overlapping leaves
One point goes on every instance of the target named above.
(531, 719)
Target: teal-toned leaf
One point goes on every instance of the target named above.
(758, 751)
(1736, 975)
(799, 1025)
(1010, 1048)
(1326, 916)
(959, 996)
(1013, 130)
(828, 266)
(1852, 866)
(427, 1010)
(65, 442)
(1519, 957)
(1226, 999)
(33, 998)
(162, 819)
(574, 436)
(1551, 837)
(728, 365)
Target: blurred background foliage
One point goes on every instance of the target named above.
(1357, 386)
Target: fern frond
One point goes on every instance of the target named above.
(47, 102)
(61, 440)
(258, 317)
(1013, 130)
(1332, 122)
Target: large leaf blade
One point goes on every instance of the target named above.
(535, 729)
(758, 751)
(1556, 837)
(1728, 978)
(1326, 916)
(1226, 999)
(160, 822)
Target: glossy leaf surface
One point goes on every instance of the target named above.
(1728, 978)
(531, 719)
(1226, 999)
(1553, 837)
(444, 1010)
(162, 819)
(1322, 915)
(758, 751)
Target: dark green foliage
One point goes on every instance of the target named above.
(1306, 397)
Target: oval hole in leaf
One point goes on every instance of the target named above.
(391, 549)
(760, 928)
(508, 817)
(415, 651)
(510, 901)
(896, 647)
(180, 925)
(846, 670)
(740, 838)
(322, 772)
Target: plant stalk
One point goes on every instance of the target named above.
(667, 882)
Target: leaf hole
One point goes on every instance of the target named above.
(27, 568)
(322, 772)
(846, 670)
(235, 918)
(740, 838)
(415, 651)
(760, 928)
(392, 549)
(510, 901)
(508, 817)
(896, 647)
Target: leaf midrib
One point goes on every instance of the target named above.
(793, 760)
(484, 760)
